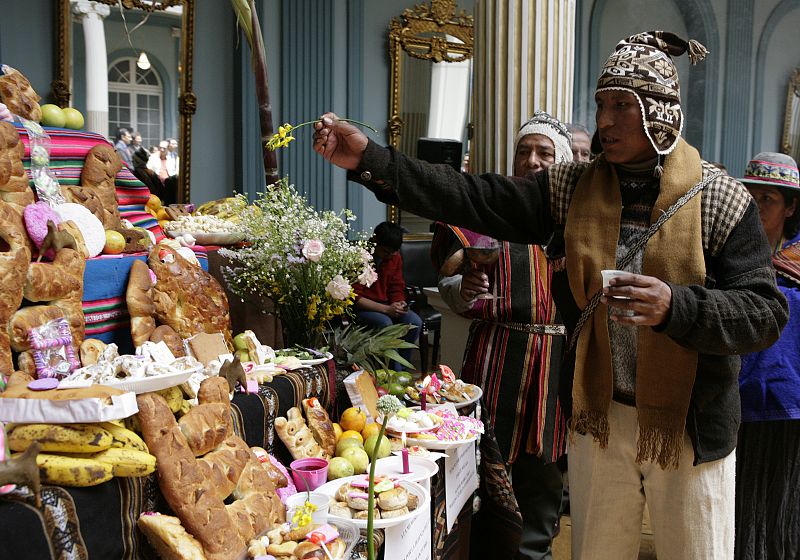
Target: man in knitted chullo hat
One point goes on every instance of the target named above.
(655, 405)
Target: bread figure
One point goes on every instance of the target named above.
(297, 437)
(16, 92)
(99, 174)
(91, 349)
(196, 488)
(139, 298)
(61, 284)
(320, 424)
(168, 537)
(186, 297)
(14, 264)
(168, 335)
(13, 178)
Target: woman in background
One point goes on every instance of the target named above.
(768, 452)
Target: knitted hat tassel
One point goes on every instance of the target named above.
(697, 51)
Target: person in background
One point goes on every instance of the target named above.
(173, 158)
(581, 142)
(768, 452)
(514, 349)
(146, 175)
(384, 302)
(654, 368)
(136, 141)
(122, 146)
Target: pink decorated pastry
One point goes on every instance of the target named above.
(290, 489)
(36, 216)
(5, 114)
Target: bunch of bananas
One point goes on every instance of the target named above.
(84, 454)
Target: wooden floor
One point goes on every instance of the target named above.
(562, 549)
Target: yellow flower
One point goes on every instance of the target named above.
(282, 138)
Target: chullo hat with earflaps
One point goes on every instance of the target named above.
(642, 65)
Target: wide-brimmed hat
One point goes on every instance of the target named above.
(774, 170)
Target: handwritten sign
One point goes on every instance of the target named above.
(410, 540)
(460, 480)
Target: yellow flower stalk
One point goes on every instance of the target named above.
(282, 138)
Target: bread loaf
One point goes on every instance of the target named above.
(205, 427)
(99, 173)
(16, 92)
(168, 335)
(27, 318)
(13, 270)
(196, 488)
(139, 298)
(168, 537)
(186, 297)
(297, 437)
(320, 424)
(13, 178)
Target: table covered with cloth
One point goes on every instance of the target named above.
(99, 522)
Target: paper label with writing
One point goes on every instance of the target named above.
(461, 480)
(410, 540)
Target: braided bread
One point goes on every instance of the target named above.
(13, 270)
(16, 92)
(99, 174)
(195, 488)
(139, 298)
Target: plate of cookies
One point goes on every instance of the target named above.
(396, 500)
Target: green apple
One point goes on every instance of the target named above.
(396, 389)
(115, 242)
(346, 443)
(403, 378)
(239, 342)
(358, 458)
(384, 447)
(73, 118)
(339, 467)
(53, 115)
(244, 355)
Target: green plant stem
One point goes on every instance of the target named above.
(338, 119)
(371, 497)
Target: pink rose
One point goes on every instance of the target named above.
(313, 249)
(338, 288)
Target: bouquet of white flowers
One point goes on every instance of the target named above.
(300, 258)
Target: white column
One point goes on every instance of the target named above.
(91, 14)
(524, 60)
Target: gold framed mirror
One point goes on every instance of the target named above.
(791, 124)
(430, 52)
(153, 94)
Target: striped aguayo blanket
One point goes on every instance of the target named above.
(106, 277)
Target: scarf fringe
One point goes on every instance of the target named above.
(656, 445)
(697, 51)
(592, 422)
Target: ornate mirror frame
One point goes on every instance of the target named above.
(792, 117)
(420, 32)
(187, 102)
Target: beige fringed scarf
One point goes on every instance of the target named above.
(665, 371)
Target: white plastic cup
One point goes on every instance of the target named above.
(609, 274)
(322, 501)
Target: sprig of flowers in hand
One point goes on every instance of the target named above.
(387, 406)
(282, 138)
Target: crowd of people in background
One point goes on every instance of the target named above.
(157, 167)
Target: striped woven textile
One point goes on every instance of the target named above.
(106, 277)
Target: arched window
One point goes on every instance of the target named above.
(135, 101)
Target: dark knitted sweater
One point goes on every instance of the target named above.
(738, 309)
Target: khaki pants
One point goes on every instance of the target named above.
(691, 508)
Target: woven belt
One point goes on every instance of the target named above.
(552, 330)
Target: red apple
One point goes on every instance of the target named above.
(382, 391)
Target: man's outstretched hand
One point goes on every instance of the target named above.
(339, 142)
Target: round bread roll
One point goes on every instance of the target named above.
(388, 514)
(340, 509)
(357, 503)
(94, 235)
(393, 499)
(91, 348)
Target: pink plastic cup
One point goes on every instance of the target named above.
(309, 474)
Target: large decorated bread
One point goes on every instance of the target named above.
(186, 297)
(16, 92)
(197, 487)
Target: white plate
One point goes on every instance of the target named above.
(421, 468)
(151, 383)
(458, 405)
(210, 238)
(316, 361)
(439, 445)
(331, 487)
(393, 432)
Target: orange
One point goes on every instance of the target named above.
(337, 430)
(352, 434)
(353, 419)
(370, 430)
(153, 202)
